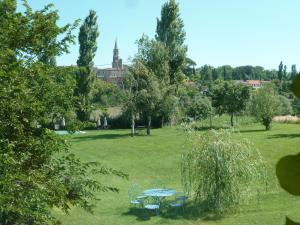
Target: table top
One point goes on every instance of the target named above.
(159, 192)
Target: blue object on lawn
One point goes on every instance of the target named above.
(134, 197)
(159, 192)
(179, 202)
(153, 206)
(65, 132)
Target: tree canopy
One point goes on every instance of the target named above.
(37, 172)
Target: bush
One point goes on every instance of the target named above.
(200, 108)
(285, 106)
(264, 105)
(220, 172)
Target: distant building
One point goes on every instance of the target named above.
(117, 72)
(253, 83)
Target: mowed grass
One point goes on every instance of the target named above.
(149, 158)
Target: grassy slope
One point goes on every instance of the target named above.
(158, 157)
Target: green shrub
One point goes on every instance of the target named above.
(220, 172)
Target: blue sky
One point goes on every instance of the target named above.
(219, 32)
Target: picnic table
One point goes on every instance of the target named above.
(159, 192)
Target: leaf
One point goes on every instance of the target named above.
(288, 173)
(290, 222)
(296, 86)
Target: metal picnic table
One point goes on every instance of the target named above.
(158, 194)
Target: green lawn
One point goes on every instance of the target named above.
(146, 159)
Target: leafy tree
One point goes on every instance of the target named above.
(105, 94)
(146, 90)
(130, 107)
(231, 98)
(293, 72)
(170, 31)
(217, 170)
(227, 72)
(190, 70)
(200, 108)
(215, 75)
(264, 105)
(206, 73)
(37, 172)
(285, 74)
(154, 55)
(280, 71)
(88, 35)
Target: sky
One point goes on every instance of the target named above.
(218, 32)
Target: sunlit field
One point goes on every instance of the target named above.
(148, 158)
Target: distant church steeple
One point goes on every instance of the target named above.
(117, 62)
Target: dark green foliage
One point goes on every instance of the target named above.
(295, 86)
(280, 71)
(285, 74)
(241, 73)
(287, 171)
(293, 72)
(290, 222)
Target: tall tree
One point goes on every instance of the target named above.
(170, 31)
(280, 71)
(293, 72)
(285, 72)
(88, 35)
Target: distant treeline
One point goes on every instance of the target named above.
(227, 72)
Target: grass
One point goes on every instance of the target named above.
(148, 158)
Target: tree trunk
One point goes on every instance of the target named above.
(267, 122)
(210, 122)
(231, 119)
(149, 125)
(132, 126)
(162, 122)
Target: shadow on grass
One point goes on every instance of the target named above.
(250, 131)
(211, 128)
(189, 212)
(100, 137)
(284, 136)
(105, 136)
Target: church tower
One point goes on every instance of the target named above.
(117, 62)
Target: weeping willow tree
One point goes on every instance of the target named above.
(219, 172)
